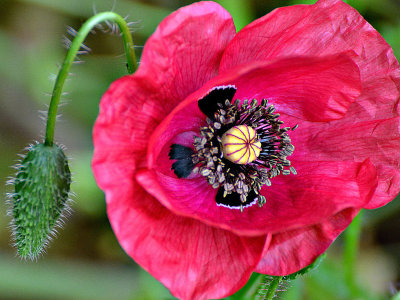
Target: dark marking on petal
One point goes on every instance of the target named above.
(184, 165)
(233, 200)
(183, 168)
(180, 152)
(209, 103)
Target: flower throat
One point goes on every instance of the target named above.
(242, 147)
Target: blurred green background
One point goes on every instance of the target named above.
(85, 260)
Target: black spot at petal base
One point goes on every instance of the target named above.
(184, 165)
(180, 152)
(209, 103)
(233, 200)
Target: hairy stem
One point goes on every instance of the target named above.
(70, 57)
(272, 287)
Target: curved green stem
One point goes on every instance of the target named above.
(272, 287)
(351, 246)
(70, 57)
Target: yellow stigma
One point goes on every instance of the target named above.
(240, 145)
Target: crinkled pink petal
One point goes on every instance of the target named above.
(184, 52)
(130, 110)
(292, 57)
(193, 260)
(319, 90)
(320, 190)
(329, 27)
(134, 105)
(194, 197)
(293, 250)
(152, 235)
(379, 140)
(335, 85)
(325, 28)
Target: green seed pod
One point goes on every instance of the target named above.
(42, 185)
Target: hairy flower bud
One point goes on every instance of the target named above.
(42, 185)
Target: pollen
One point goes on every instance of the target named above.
(240, 145)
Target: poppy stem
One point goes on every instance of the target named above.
(350, 252)
(70, 57)
(273, 287)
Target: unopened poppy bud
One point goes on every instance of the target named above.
(42, 186)
(240, 145)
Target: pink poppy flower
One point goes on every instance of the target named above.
(174, 195)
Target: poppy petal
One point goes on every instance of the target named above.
(151, 234)
(179, 58)
(323, 67)
(155, 237)
(313, 89)
(293, 250)
(129, 112)
(377, 140)
(332, 85)
(327, 27)
(324, 28)
(134, 105)
(320, 190)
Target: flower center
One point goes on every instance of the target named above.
(242, 147)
